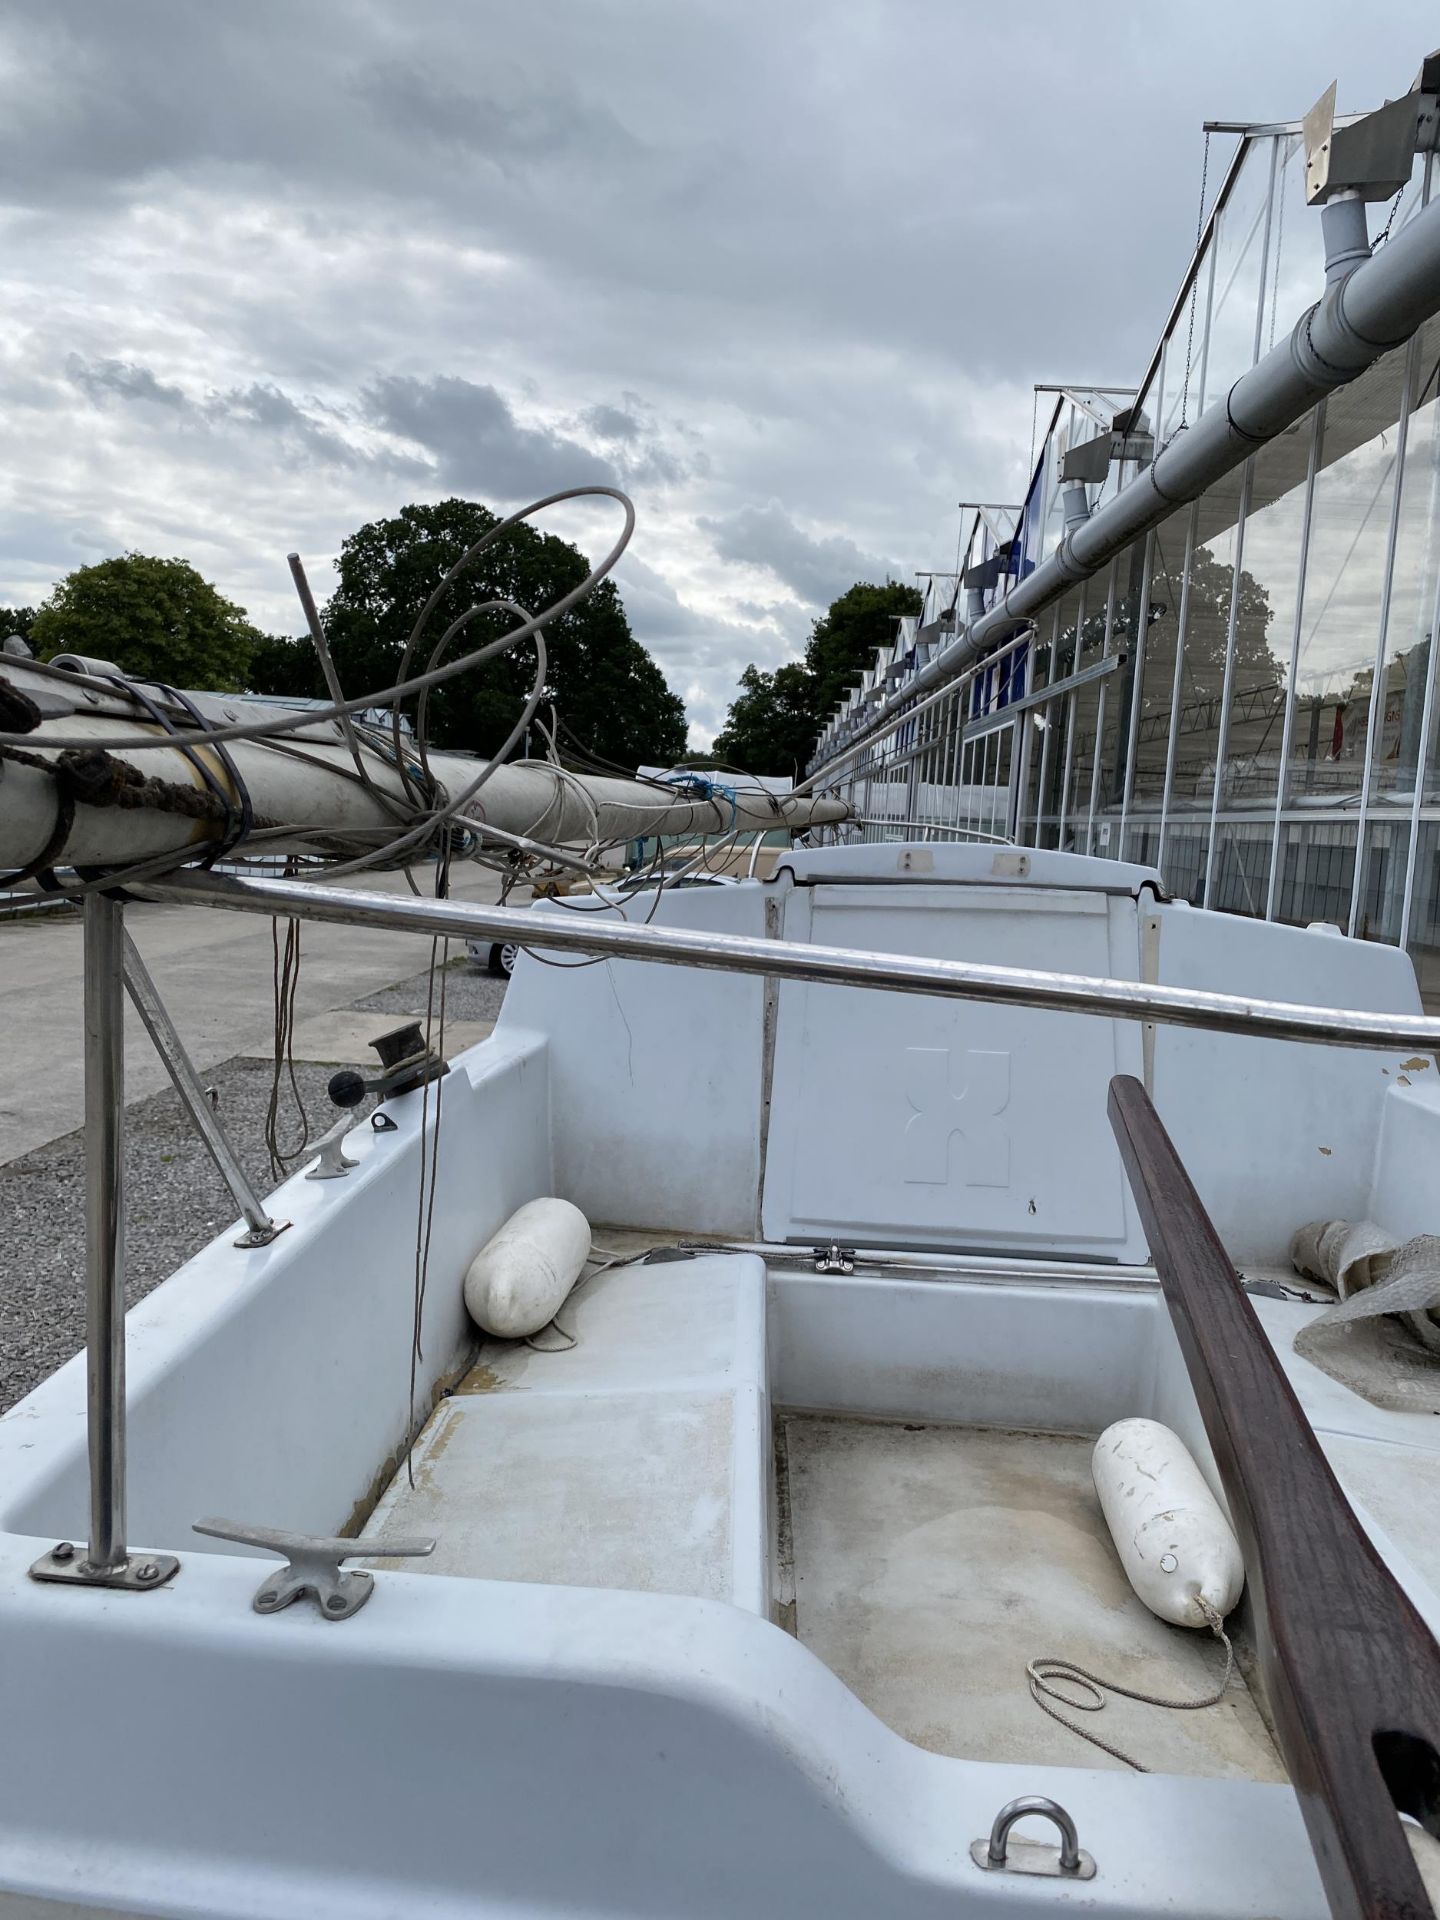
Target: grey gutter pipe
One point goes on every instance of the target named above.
(1364, 313)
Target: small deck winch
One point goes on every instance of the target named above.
(407, 1062)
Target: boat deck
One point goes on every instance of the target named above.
(923, 1563)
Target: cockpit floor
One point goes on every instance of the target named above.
(932, 1562)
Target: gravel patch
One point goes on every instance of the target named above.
(470, 994)
(176, 1204)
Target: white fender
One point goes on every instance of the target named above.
(521, 1277)
(1174, 1541)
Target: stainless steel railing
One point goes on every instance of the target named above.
(107, 1561)
(593, 933)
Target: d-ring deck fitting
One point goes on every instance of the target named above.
(1001, 1854)
(313, 1566)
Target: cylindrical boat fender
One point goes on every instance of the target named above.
(522, 1276)
(1171, 1533)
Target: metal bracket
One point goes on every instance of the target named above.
(313, 1566)
(1369, 156)
(1151, 926)
(1001, 1854)
(262, 1236)
(833, 1259)
(334, 1163)
(66, 1565)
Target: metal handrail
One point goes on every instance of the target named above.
(822, 965)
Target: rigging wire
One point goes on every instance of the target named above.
(286, 979)
(1195, 283)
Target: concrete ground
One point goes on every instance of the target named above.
(215, 973)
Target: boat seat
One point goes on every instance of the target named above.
(637, 1459)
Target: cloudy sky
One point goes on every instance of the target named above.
(784, 271)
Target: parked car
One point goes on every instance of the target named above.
(499, 956)
(674, 873)
(496, 956)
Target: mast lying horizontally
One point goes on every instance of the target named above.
(85, 804)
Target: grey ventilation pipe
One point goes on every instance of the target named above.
(1077, 504)
(1346, 227)
(1372, 304)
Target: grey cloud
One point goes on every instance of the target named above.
(740, 185)
(765, 194)
(611, 423)
(641, 452)
(477, 443)
(704, 651)
(261, 408)
(815, 569)
(106, 380)
(831, 271)
(521, 126)
(34, 544)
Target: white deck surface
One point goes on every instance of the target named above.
(932, 1562)
(637, 1459)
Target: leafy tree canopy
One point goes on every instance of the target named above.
(16, 621)
(606, 688)
(770, 727)
(843, 642)
(774, 719)
(157, 619)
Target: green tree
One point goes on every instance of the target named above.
(770, 728)
(156, 619)
(16, 622)
(774, 719)
(843, 641)
(605, 686)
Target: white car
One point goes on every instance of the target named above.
(676, 873)
(498, 956)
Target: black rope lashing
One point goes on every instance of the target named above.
(92, 778)
(239, 814)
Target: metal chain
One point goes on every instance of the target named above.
(1384, 233)
(1195, 284)
(1043, 1670)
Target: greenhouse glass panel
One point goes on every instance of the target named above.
(1202, 665)
(1226, 347)
(1157, 685)
(1414, 582)
(1344, 588)
(1265, 619)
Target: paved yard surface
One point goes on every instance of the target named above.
(214, 971)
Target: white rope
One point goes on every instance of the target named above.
(1044, 1670)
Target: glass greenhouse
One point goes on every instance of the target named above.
(1244, 696)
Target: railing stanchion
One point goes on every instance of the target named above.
(105, 1562)
(105, 1227)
